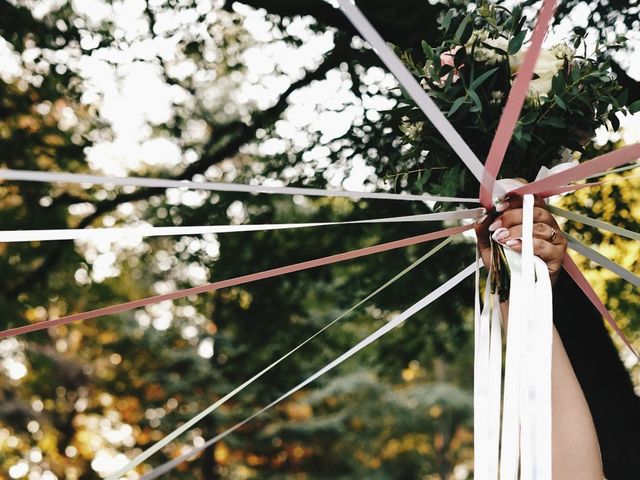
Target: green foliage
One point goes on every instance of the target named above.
(469, 75)
(401, 409)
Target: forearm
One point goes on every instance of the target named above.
(576, 452)
(575, 448)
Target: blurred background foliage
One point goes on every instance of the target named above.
(265, 91)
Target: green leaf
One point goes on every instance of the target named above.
(428, 51)
(461, 28)
(555, 122)
(560, 102)
(529, 118)
(456, 105)
(615, 122)
(623, 97)
(446, 20)
(515, 43)
(474, 96)
(634, 107)
(478, 81)
(558, 84)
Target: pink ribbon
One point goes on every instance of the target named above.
(597, 165)
(573, 270)
(514, 104)
(555, 183)
(209, 287)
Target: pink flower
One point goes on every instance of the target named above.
(447, 58)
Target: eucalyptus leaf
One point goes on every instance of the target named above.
(480, 79)
(515, 43)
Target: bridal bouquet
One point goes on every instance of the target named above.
(469, 75)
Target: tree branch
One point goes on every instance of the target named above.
(226, 143)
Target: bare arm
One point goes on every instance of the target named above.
(576, 453)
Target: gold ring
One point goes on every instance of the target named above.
(554, 234)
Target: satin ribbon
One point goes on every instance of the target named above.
(209, 287)
(598, 165)
(577, 276)
(120, 232)
(386, 328)
(77, 178)
(487, 383)
(412, 87)
(597, 257)
(526, 428)
(576, 217)
(514, 104)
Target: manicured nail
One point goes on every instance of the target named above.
(500, 234)
(495, 225)
(513, 242)
(502, 206)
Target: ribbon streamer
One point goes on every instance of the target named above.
(214, 406)
(597, 257)
(78, 178)
(577, 276)
(487, 383)
(120, 232)
(412, 87)
(437, 293)
(598, 165)
(526, 429)
(514, 104)
(576, 217)
(209, 287)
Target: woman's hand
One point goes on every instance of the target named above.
(505, 224)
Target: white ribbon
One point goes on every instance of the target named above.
(150, 231)
(487, 383)
(576, 217)
(56, 177)
(437, 293)
(370, 339)
(526, 427)
(597, 257)
(412, 87)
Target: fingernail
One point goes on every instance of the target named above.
(512, 242)
(502, 206)
(500, 234)
(495, 225)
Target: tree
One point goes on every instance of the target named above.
(94, 390)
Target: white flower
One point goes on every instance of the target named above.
(500, 43)
(482, 53)
(478, 36)
(547, 66)
(411, 130)
(562, 51)
(566, 155)
(496, 96)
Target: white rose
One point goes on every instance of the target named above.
(547, 66)
(500, 42)
(477, 36)
(484, 54)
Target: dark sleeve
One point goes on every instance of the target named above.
(604, 380)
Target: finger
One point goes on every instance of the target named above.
(515, 201)
(482, 230)
(550, 253)
(540, 230)
(513, 217)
